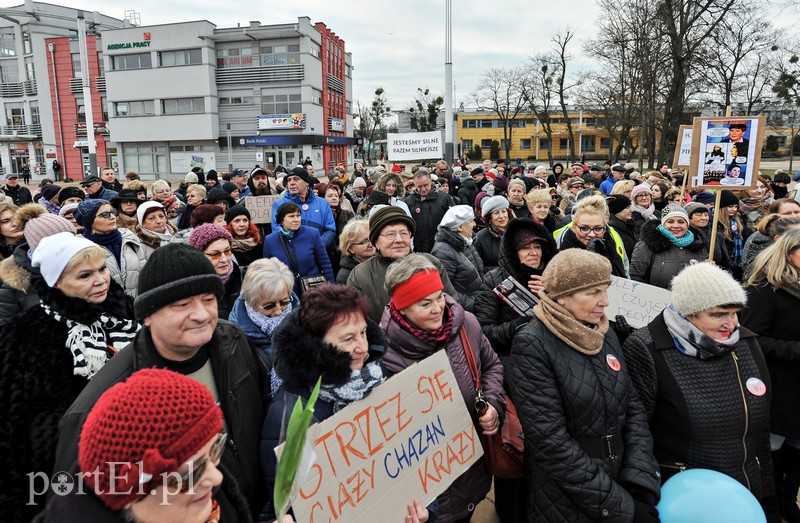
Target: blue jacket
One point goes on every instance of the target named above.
(307, 250)
(316, 213)
(607, 185)
(254, 333)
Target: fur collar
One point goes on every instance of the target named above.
(659, 243)
(301, 358)
(508, 254)
(16, 270)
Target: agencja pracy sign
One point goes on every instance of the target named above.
(409, 439)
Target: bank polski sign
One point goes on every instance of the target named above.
(414, 146)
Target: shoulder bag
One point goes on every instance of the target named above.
(306, 282)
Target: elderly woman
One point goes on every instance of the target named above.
(588, 451)
(207, 213)
(126, 256)
(516, 199)
(162, 193)
(665, 249)
(154, 229)
(126, 204)
(773, 293)
(194, 197)
(496, 215)
(328, 336)
(170, 429)
(704, 383)
(624, 187)
(643, 208)
(542, 208)
(421, 320)
(755, 204)
(355, 247)
(49, 353)
(10, 235)
(453, 247)
(247, 241)
(298, 246)
(589, 230)
(264, 302)
(216, 243)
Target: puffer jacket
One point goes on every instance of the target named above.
(696, 411)
(498, 320)
(487, 245)
(368, 277)
(462, 263)
(133, 256)
(467, 192)
(16, 295)
(568, 402)
(656, 260)
(243, 392)
(404, 349)
(627, 231)
(427, 213)
(299, 360)
(346, 265)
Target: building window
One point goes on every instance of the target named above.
(466, 145)
(183, 106)
(236, 57)
(316, 96)
(314, 50)
(281, 104)
(76, 65)
(544, 143)
(81, 110)
(149, 159)
(281, 54)
(9, 74)
(563, 143)
(525, 144)
(235, 100)
(15, 115)
(183, 57)
(39, 154)
(131, 61)
(101, 65)
(135, 108)
(486, 144)
(30, 75)
(7, 46)
(588, 144)
(504, 143)
(26, 42)
(605, 143)
(35, 114)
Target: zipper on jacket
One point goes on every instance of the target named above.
(746, 418)
(675, 466)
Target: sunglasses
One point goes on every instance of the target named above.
(113, 213)
(272, 305)
(190, 478)
(214, 256)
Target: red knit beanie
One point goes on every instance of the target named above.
(157, 419)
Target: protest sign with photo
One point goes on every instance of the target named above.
(409, 439)
(726, 151)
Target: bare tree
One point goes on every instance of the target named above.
(787, 89)
(425, 110)
(538, 91)
(562, 85)
(370, 121)
(500, 90)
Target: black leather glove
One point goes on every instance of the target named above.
(644, 512)
(597, 245)
(519, 323)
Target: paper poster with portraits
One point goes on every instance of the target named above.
(726, 152)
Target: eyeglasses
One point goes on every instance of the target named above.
(113, 213)
(365, 241)
(187, 480)
(585, 229)
(283, 304)
(405, 235)
(214, 256)
(577, 186)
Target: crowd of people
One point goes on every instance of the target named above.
(166, 329)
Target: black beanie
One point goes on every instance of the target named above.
(229, 187)
(284, 209)
(727, 198)
(70, 192)
(387, 216)
(301, 173)
(174, 272)
(617, 203)
(237, 210)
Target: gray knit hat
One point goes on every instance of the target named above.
(673, 210)
(703, 286)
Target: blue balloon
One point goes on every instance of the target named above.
(707, 496)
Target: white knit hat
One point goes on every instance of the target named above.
(54, 253)
(703, 286)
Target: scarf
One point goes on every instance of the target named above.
(359, 386)
(110, 240)
(266, 323)
(755, 207)
(684, 242)
(646, 212)
(283, 232)
(164, 238)
(792, 288)
(433, 338)
(581, 337)
(91, 345)
(496, 231)
(228, 276)
(467, 241)
(216, 512)
(737, 253)
(243, 245)
(51, 207)
(691, 341)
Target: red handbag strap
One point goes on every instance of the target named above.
(473, 367)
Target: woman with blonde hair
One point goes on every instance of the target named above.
(355, 247)
(162, 193)
(624, 187)
(542, 209)
(769, 230)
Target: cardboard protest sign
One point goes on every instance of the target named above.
(639, 303)
(683, 150)
(726, 152)
(414, 146)
(409, 439)
(260, 207)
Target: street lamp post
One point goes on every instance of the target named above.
(448, 83)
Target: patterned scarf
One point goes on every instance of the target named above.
(581, 337)
(496, 231)
(359, 386)
(92, 345)
(686, 241)
(738, 244)
(51, 207)
(691, 341)
(266, 323)
(646, 212)
(434, 338)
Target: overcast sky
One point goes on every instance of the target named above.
(399, 44)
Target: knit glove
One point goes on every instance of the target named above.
(597, 245)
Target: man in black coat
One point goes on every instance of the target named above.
(19, 195)
(177, 303)
(428, 206)
(469, 190)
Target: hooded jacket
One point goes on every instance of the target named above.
(462, 263)
(656, 260)
(315, 212)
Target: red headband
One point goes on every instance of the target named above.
(416, 287)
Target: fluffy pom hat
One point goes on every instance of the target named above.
(146, 426)
(206, 234)
(574, 270)
(703, 286)
(36, 223)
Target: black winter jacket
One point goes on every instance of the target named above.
(627, 231)
(346, 264)
(706, 413)
(656, 260)
(243, 390)
(487, 245)
(16, 294)
(427, 213)
(462, 263)
(568, 402)
(467, 192)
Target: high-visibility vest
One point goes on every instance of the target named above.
(558, 235)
